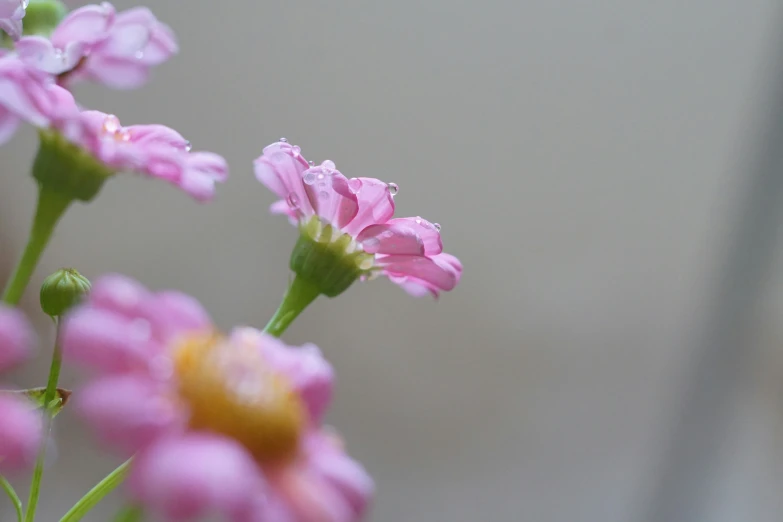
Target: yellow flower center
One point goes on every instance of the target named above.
(231, 390)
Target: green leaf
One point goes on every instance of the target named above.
(37, 396)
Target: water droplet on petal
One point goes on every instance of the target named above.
(25, 3)
(354, 185)
(139, 55)
(188, 146)
(293, 201)
(437, 226)
(371, 245)
(122, 135)
(323, 194)
(297, 150)
(311, 163)
(283, 139)
(328, 164)
(111, 124)
(309, 177)
(418, 220)
(393, 188)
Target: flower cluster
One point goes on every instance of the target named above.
(212, 423)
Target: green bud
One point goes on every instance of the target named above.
(67, 169)
(62, 290)
(42, 16)
(328, 259)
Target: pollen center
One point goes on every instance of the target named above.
(231, 390)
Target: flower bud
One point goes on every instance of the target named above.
(62, 290)
(42, 16)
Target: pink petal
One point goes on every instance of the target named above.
(39, 52)
(280, 168)
(329, 194)
(157, 134)
(311, 375)
(376, 204)
(12, 27)
(21, 432)
(128, 412)
(107, 341)
(427, 231)
(208, 163)
(16, 337)
(117, 73)
(198, 475)
(25, 92)
(162, 43)
(391, 239)
(124, 42)
(173, 313)
(119, 294)
(199, 186)
(87, 24)
(10, 8)
(440, 273)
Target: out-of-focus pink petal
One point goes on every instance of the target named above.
(120, 294)
(21, 432)
(87, 24)
(173, 313)
(16, 337)
(280, 168)
(198, 475)
(441, 272)
(161, 44)
(39, 52)
(310, 374)
(128, 411)
(11, 8)
(12, 27)
(116, 73)
(127, 41)
(157, 134)
(25, 91)
(207, 163)
(107, 341)
(376, 204)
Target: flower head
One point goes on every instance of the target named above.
(96, 43)
(11, 14)
(352, 218)
(21, 426)
(225, 424)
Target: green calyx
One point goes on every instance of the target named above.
(327, 258)
(42, 16)
(67, 169)
(62, 291)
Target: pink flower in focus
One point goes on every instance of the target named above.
(21, 426)
(96, 43)
(225, 425)
(407, 250)
(26, 94)
(11, 14)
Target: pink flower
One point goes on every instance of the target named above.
(407, 250)
(96, 43)
(21, 426)
(26, 94)
(225, 425)
(11, 14)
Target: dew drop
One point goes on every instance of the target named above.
(437, 226)
(418, 220)
(111, 124)
(25, 3)
(309, 177)
(292, 200)
(354, 185)
(323, 194)
(393, 188)
(296, 150)
(188, 146)
(371, 245)
(311, 163)
(122, 135)
(284, 140)
(328, 164)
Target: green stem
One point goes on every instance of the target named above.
(51, 207)
(130, 513)
(300, 294)
(49, 395)
(17, 502)
(96, 494)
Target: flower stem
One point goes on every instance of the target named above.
(17, 502)
(49, 395)
(130, 513)
(300, 294)
(51, 207)
(96, 494)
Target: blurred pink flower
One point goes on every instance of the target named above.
(407, 250)
(26, 94)
(96, 43)
(11, 14)
(21, 426)
(224, 425)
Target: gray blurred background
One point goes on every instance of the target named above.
(585, 160)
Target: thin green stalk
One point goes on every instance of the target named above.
(15, 500)
(130, 513)
(299, 295)
(96, 494)
(49, 395)
(51, 207)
